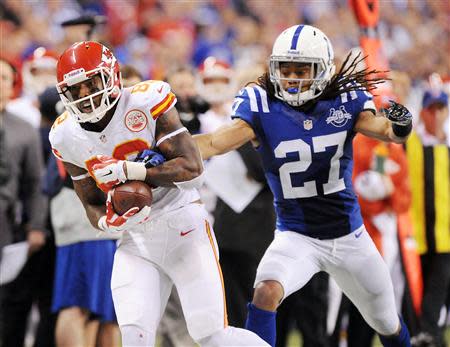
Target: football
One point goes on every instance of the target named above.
(131, 194)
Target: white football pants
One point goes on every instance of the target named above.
(177, 248)
(352, 261)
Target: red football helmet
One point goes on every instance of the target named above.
(217, 82)
(38, 71)
(82, 62)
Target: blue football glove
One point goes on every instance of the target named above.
(150, 158)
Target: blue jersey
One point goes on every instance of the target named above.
(307, 159)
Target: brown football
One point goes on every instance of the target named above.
(131, 194)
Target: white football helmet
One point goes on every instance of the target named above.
(307, 45)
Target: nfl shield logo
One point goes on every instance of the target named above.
(308, 124)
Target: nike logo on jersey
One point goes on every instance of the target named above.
(160, 89)
(358, 234)
(184, 233)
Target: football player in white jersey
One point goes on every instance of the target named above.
(171, 243)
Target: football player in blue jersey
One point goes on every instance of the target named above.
(302, 117)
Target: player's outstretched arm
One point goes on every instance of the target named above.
(224, 139)
(92, 198)
(183, 162)
(393, 124)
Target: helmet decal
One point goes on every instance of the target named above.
(295, 37)
(107, 56)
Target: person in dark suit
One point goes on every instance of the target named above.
(20, 190)
(243, 238)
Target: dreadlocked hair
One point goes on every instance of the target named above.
(349, 77)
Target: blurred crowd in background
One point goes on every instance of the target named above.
(153, 36)
(170, 40)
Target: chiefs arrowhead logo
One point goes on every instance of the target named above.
(135, 120)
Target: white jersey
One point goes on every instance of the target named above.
(131, 130)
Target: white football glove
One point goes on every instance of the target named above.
(113, 223)
(109, 171)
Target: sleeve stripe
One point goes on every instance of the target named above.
(163, 106)
(369, 105)
(61, 169)
(167, 97)
(56, 153)
(252, 97)
(172, 102)
(263, 94)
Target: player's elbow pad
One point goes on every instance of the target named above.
(194, 183)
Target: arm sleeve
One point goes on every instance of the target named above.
(35, 202)
(363, 102)
(162, 98)
(244, 106)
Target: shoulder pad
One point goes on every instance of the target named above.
(153, 95)
(250, 99)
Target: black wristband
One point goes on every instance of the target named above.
(402, 130)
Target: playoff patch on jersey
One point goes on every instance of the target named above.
(338, 117)
(135, 120)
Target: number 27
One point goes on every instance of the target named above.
(319, 144)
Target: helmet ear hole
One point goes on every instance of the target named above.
(115, 92)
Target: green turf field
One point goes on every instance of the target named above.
(295, 340)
